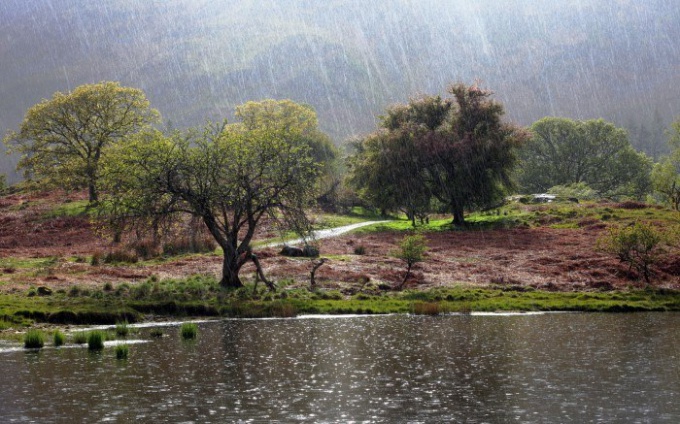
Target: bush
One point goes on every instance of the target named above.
(34, 339)
(360, 250)
(95, 340)
(411, 250)
(579, 191)
(637, 245)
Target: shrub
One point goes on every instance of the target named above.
(34, 339)
(360, 250)
(122, 351)
(637, 245)
(95, 340)
(188, 330)
(59, 338)
(96, 259)
(411, 250)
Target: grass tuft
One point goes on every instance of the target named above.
(95, 340)
(122, 329)
(59, 338)
(34, 339)
(188, 330)
(427, 308)
(122, 351)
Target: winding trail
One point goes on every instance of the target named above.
(325, 233)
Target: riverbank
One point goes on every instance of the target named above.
(162, 301)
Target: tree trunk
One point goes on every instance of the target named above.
(93, 195)
(458, 216)
(230, 270)
(408, 273)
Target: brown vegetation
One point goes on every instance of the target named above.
(540, 257)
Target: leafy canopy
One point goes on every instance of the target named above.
(230, 176)
(62, 140)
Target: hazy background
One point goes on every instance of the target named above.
(196, 59)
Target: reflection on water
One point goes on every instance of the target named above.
(477, 369)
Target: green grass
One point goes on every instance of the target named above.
(59, 338)
(188, 330)
(96, 339)
(122, 329)
(80, 337)
(122, 351)
(34, 339)
(75, 208)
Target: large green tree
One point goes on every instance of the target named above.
(666, 174)
(62, 140)
(456, 150)
(228, 176)
(564, 151)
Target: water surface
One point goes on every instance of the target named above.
(477, 369)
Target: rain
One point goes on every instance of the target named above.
(196, 59)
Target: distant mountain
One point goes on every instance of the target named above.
(197, 59)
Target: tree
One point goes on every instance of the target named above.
(456, 150)
(62, 139)
(563, 152)
(637, 245)
(229, 176)
(666, 174)
(411, 250)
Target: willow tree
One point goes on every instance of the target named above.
(228, 176)
(62, 140)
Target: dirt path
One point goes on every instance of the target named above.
(326, 233)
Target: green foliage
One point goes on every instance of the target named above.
(122, 329)
(80, 337)
(580, 191)
(411, 250)
(34, 339)
(96, 339)
(61, 140)
(59, 338)
(564, 152)
(122, 351)
(188, 330)
(637, 245)
(229, 176)
(454, 151)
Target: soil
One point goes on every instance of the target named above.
(541, 257)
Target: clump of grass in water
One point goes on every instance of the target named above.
(189, 330)
(59, 338)
(80, 338)
(95, 340)
(122, 329)
(122, 351)
(34, 339)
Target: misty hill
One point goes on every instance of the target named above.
(196, 59)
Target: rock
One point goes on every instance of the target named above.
(291, 251)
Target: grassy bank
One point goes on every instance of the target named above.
(202, 296)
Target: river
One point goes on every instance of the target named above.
(487, 368)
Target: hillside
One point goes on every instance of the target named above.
(196, 59)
